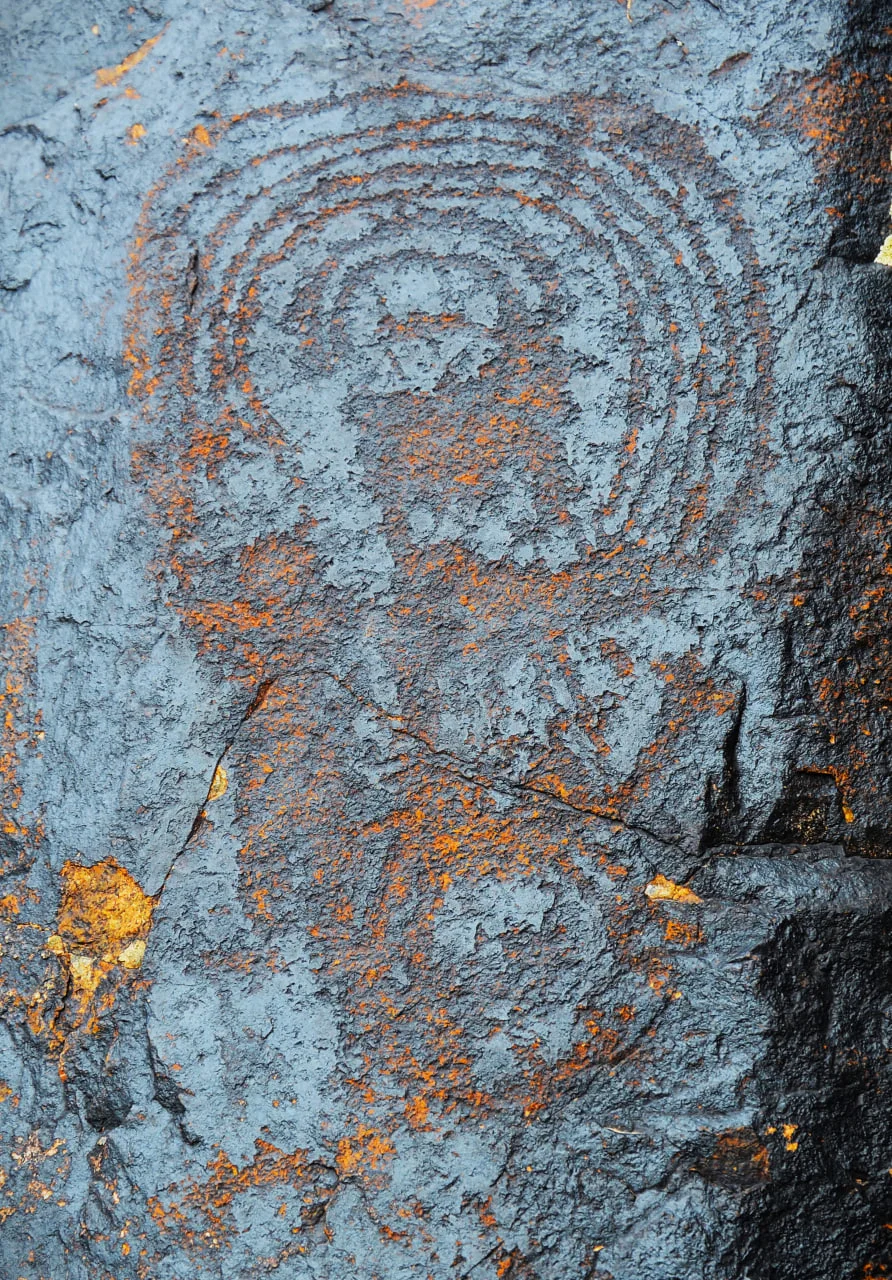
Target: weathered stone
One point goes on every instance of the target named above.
(445, 747)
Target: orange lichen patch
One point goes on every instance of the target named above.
(134, 133)
(618, 658)
(107, 76)
(684, 935)
(444, 833)
(416, 8)
(417, 1111)
(103, 922)
(510, 1264)
(224, 619)
(442, 451)
(31, 988)
(544, 1083)
(485, 1212)
(201, 1214)
(659, 978)
(366, 1149)
(843, 112)
(103, 909)
(445, 830)
(660, 889)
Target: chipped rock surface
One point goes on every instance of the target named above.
(444, 742)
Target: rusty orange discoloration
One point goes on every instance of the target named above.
(202, 1215)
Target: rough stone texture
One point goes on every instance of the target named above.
(445, 758)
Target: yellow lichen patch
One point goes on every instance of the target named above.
(134, 133)
(219, 783)
(132, 956)
(661, 890)
(103, 908)
(104, 919)
(107, 76)
(85, 975)
(884, 257)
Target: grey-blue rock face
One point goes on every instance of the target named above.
(444, 742)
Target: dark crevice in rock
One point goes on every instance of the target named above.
(167, 1094)
(198, 822)
(723, 798)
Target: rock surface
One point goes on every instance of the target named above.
(445, 753)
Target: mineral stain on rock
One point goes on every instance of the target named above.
(444, 759)
(103, 922)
